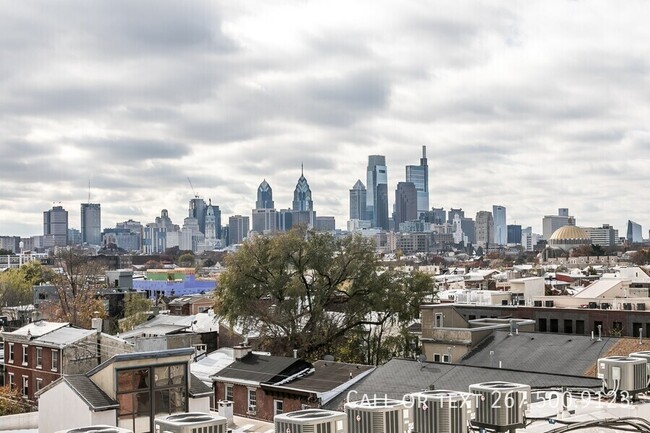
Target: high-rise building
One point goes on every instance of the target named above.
(550, 223)
(163, 221)
(406, 203)
(302, 195)
(55, 227)
(211, 226)
(450, 214)
(605, 236)
(197, 210)
(325, 224)
(634, 232)
(500, 226)
(358, 201)
(91, 223)
(237, 228)
(264, 196)
(514, 234)
(484, 229)
(377, 195)
(265, 220)
(419, 175)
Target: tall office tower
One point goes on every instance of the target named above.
(514, 234)
(358, 201)
(237, 228)
(500, 226)
(484, 228)
(406, 203)
(55, 227)
(469, 229)
(419, 175)
(325, 224)
(550, 223)
(163, 221)
(264, 196)
(302, 195)
(197, 210)
(377, 196)
(634, 232)
(91, 223)
(265, 220)
(284, 220)
(439, 215)
(450, 214)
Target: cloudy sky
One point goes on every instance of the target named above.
(534, 105)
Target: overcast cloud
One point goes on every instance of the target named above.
(534, 105)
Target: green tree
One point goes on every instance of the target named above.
(186, 260)
(310, 291)
(78, 286)
(136, 311)
(16, 284)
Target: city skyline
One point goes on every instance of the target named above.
(533, 106)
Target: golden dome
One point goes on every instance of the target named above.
(569, 232)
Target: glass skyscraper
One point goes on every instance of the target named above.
(500, 226)
(91, 223)
(264, 196)
(419, 176)
(377, 195)
(358, 201)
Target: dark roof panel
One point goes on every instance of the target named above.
(262, 368)
(198, 388)
(96, 399)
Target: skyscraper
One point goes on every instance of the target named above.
(500, 226)
(91, 223)
(514, 234)
(264, 196)
(419, 175)
(237, 228)
(484, 228)
(55, 227)
(377, 195)
(302, 195)
(634, 232)
(550, 223)
(406, 206)
(358, 201)
(197, 210)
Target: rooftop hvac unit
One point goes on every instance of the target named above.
(500, 406)
(623, 373)
(310, 421)
(96, 429)
(441, 411)
(191, 422)
(645, 355)
(377, 415)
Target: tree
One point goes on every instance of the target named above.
(78, 287)
(136, 309)
(16, 284)
(12, 402)
(186, 260)
(310, 291)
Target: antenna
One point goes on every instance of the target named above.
(88, 190)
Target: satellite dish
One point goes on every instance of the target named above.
(422, 357)
(328, 358)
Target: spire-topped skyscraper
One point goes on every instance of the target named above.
(302, 194)
(419, 175)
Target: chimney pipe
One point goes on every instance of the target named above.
(295, 353)
(640, 335)
(600, 332)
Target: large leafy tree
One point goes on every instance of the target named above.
(16, 284)
(12, 402)
(313, 292)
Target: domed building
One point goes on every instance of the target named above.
(569, 237)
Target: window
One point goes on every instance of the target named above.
(438, 320)
(598, 324)
(637, 328)
(252, 400)
(580, 327)
(12, 381)
(55, 360)
(25, 349)
(39, 384)
(446, 358)
(229, 396)
(541, 325)
(554, 325)
(436, 357)
(39, 357)
(11, 353)
(568, 326)
(25, 385)
(277, 407)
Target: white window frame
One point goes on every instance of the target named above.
(25, 354)
(25, 386)
(227, 388)
(39, 384)
(446, 358)
(55, 360)
(275, 407)
(439, 320)
(39, 357)
(12, 381)
(437, 357)
(11, 354)
(252, 402)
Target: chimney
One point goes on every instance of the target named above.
(295, 353)
(96, 324)
(36, 316)
(240, 351)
